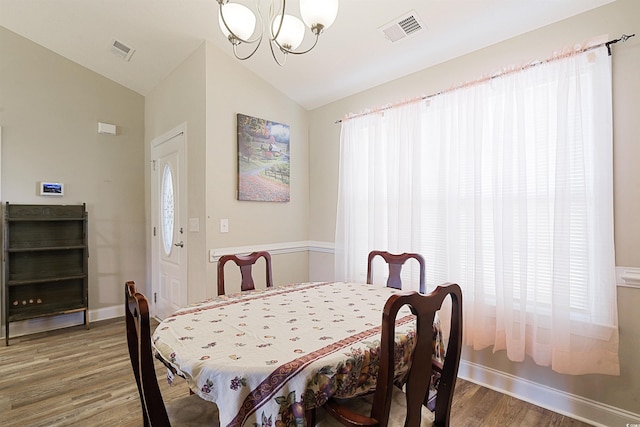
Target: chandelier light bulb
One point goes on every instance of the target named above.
(240, 20)
(291, 34)
(318, 14)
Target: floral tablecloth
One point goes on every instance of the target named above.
(265, 356)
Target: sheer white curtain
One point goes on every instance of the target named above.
(505, 187)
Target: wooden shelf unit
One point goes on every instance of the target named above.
(46, 262)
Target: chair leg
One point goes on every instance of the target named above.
(310, 417)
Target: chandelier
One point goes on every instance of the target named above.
(286, 32)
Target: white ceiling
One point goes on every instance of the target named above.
(352, 55)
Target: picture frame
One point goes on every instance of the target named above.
(263, 160)
(51, 188)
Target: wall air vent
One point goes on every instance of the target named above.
(122, 50)
(406, 25)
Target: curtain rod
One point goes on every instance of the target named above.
(608, 44)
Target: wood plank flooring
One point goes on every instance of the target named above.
(79, 377)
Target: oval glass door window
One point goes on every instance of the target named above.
(168, 209)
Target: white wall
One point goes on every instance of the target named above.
(622, 16)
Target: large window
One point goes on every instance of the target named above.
(505, 187)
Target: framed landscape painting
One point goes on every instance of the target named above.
(263, 160)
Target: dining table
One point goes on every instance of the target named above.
(268, 356)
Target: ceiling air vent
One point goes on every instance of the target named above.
(122, 50)
(402, 27)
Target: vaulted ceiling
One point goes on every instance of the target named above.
(351, 56)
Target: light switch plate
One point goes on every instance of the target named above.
(224, 225)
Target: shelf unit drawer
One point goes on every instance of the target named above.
(41, 265)
(26, 235)
(38, 299)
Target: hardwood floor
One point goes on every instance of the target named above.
(79, 377)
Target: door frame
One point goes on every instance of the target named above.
(155, 231)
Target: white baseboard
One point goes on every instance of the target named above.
(43, 324)
(325, 247)
(106, 313)
(564, 403)
(274, 249)
(628, 277)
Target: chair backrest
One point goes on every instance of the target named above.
(395, 263)
(245, 262)
(141, 354)
(418, 378)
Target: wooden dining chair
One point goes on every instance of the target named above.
(189, 410)
(418, 378)
(395, 263)
(245, 262)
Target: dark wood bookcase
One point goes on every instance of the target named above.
(45, 261)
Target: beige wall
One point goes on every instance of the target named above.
(232, 89)
(49, 112)
(206, 92)
(622, 16)
(49, 108)
(180, 99)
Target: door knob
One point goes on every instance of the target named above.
(181, 244)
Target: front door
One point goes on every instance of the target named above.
(169, 237)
